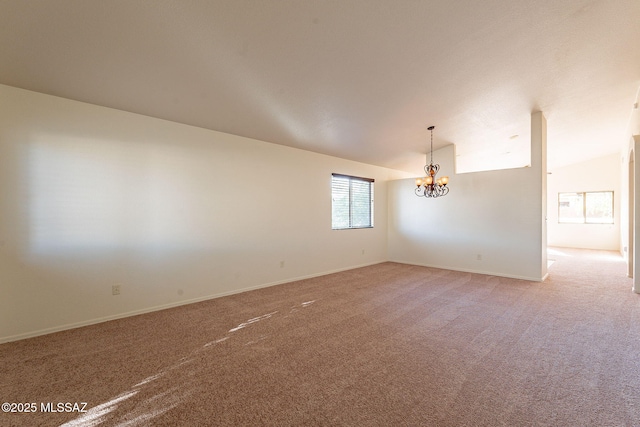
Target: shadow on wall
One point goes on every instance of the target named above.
(97, 194)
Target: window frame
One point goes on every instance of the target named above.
(584, 207)
(351, 214)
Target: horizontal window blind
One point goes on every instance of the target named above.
(352, 202)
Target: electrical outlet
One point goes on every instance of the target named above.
(115, 290)
(479, 257)
(363, 252)
(281, 264)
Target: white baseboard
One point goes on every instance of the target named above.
(170, 305)
(485, 273)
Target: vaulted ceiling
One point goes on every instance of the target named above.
(357, 79)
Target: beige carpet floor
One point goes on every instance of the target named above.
(386, 345)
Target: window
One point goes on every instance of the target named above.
(351, 202)
(594, 207)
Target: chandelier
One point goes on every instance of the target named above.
(429, 186)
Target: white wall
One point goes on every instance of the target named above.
(601, 174)
(629, 235)
(497, 216)
(628, 209)
(91, 197)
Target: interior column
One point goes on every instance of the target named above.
(539, 164)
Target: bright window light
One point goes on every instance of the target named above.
(352, 202)
(595, 207)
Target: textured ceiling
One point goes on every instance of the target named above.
(358, 79)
